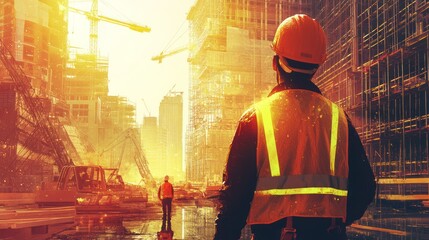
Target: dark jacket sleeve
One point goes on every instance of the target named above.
(239, 180)
(361, 187)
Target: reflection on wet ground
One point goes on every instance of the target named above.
(197, 222)
(188, 222)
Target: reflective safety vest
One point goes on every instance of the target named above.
(166, 190)
(302, 158)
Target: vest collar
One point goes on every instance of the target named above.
(306, 85)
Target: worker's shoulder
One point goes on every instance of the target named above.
(249, 115)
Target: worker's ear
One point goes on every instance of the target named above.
(275, 60)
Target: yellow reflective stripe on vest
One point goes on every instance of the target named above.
(334, 137)
(302, 181)
(270, 140)
(264, 108)
(308, 190)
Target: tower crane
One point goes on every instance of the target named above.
(163, 54)
(95, 18)
(166, 53)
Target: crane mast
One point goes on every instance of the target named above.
(93, 36)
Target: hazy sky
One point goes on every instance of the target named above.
(132, 73)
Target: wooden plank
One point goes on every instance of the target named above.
(33, 222)
(46, 212)
(6, 212)
(36, 217)
(7, 215)
(16, 196)
(378, 229)
(396, 197)
(406, 180)
(37, 212)
(16, 202)
(14, 199)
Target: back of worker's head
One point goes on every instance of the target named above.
(300, 47)
(166, 178)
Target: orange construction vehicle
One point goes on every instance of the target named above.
(82, 186)
(88, 188)
(130, 192)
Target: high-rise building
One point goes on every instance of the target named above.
(171, 134)
(152, 147)
(230, 69)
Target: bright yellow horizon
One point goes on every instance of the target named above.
(132, 73)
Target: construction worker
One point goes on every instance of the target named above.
(296, 167)
(166, 194)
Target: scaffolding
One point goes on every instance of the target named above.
(377, 69)
(230, 70)
(35, 45)
(85, 84)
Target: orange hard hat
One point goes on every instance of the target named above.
(300, 38)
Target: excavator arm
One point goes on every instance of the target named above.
(140, 158)
(126, 137)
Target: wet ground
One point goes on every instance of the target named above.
(190, 221)
(393, 223)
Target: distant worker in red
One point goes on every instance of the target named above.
(166, 194)
(296, 167)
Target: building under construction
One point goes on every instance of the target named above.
(48, 95)
(100, 118)
(377, 70)
(230, 69)
(34, 33)
(117, 115)
(85, 85)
